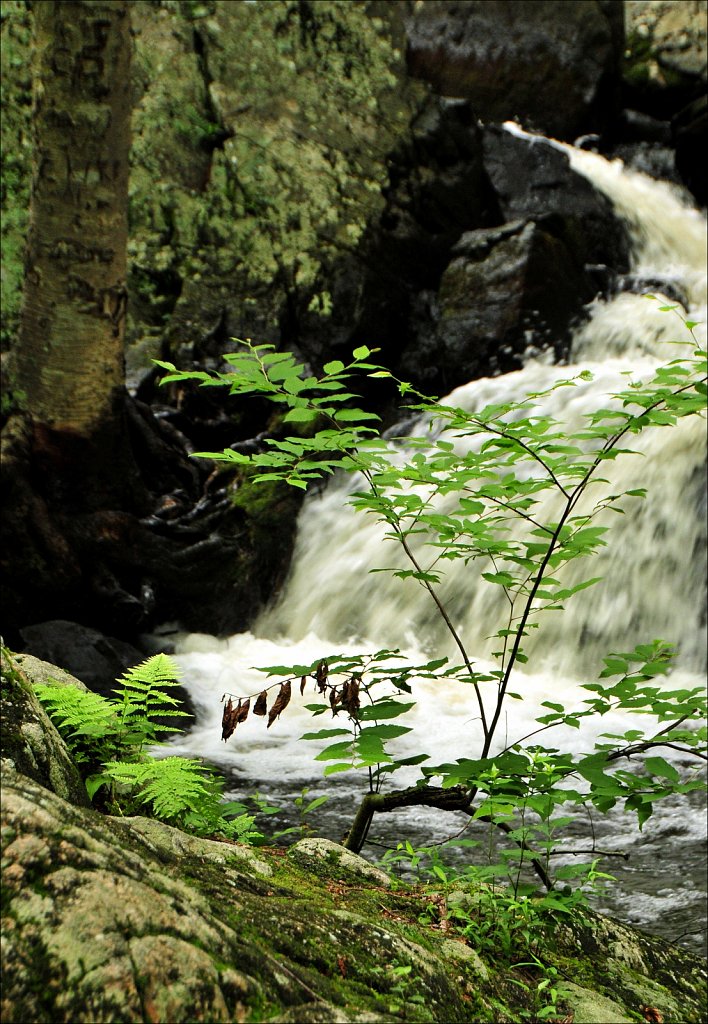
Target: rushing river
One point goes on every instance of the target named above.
(653, 585)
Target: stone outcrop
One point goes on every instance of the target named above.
(110, 919)
(29, 742)
(522, 267)
(665, 73)
(552, 65)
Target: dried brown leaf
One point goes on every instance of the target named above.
(350, 696)
(261, 705)
(281, 702)
(303, 682)
(335, 697)
(652, 1015)
(242, 711)
(321, 676)
(228, 723)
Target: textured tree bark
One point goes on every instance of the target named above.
(69, 360)
(105, 519)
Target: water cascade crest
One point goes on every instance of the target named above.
(653, 568)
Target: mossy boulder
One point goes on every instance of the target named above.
(109, 919)
(29, 741)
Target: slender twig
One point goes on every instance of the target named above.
(580, 853)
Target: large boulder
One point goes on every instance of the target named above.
(504, 288)
(555, 244)
(108, 919)
(532, 178)
(551, 64)
(95, 659)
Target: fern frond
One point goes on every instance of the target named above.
(79, 714)
(171, 785)
(156, 672)
(142, 697)
(181, 791)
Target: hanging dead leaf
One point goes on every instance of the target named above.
(281, 702)
(335, 697)
(228, 723)
(350, 696)
(321, 676)
(303, 682)
(261, 705)
(233, 715)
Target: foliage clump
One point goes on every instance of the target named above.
(108, 738)
(514, 495)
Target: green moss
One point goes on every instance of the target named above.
(16, 156)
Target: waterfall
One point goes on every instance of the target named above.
(653, 568)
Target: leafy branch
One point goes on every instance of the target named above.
(504, 485)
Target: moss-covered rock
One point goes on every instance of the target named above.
(111, 919)
(275, 121)
(666, 43)
(29, 742)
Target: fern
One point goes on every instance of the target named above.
(112, 733)
(178, 790)
(87, 721)
(142, 696)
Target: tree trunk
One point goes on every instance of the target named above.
(105, 519)
(69, 361)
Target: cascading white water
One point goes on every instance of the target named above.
(653, 567)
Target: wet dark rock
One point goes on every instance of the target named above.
(533, 179)
(553, 65)
(504, 288)
(637, 126)
(95, 659)
(641, 284)
(648, 158)
(690, 131)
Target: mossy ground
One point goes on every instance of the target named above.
(126, 918)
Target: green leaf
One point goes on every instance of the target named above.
(384, 709)
(355, 416)
(658, 766)
(332, 769)
(300, 414)
(324, 734)
(334, 751)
